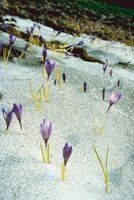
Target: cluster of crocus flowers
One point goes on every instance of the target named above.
(35, 40)
(29, 32)
(8, 116)
(12, 40)
(43, 91)
(67, 151)
(114, 97)
(46, 131)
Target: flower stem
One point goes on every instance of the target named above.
(48, 153)
(4, 55)
(9, 52)
(62, 172)
(21, 55)
(42, 153)
(58, 76)
(104, 170)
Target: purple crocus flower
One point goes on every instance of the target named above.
(80, 43)
(104, 67)
(12, 39)
(114, 98)
(4, 27)
(46, 130)
(110, 72)
(17, 109)
(1, 46)
(7, 117)
(49, 65)
(44, 54)
(67, 151)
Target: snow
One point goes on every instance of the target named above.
(76, 117)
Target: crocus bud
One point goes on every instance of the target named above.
(38, 26)
(85, 86)
(67, 151)
(114, 98)
(49, 65)
(59, 32)
(64, 77)
(104, 67)
(26, 47)
(110, 72)
(103, 94)
(46, 130)
(118, 83)
(41, 40)
(7, 117)
(12, 39)
(1, 46)
(44, 54)
(92, 37)
(17, 109)
(80, 43)
(55, 82)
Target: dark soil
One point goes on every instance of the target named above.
(73, 19)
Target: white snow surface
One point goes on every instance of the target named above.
(76, 118)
